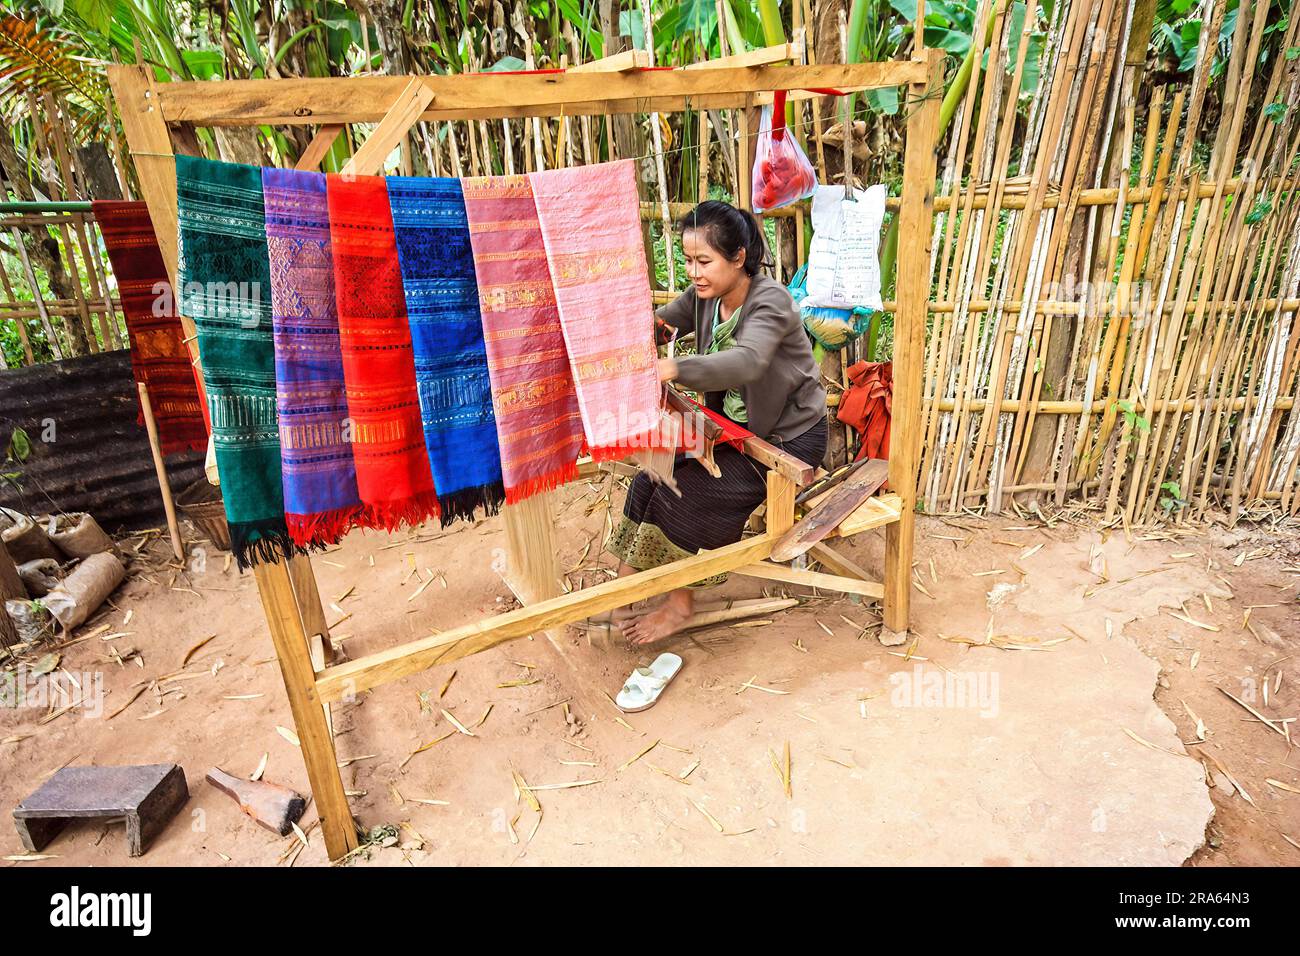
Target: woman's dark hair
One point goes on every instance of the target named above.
(729, 230)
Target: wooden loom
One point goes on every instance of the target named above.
(159, 120)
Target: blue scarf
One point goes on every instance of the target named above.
(451, 371)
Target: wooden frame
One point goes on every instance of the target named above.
(159, 120)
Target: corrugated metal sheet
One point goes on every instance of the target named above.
(99, 460)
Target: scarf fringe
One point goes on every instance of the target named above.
(260, 542)
(547, 482)
(321, 529)
(406, 512)
(463, 503)
(646, 441)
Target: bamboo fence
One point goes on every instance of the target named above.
(90, 319)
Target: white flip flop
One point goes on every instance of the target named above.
(643, 688)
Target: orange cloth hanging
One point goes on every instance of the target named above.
(868, 406)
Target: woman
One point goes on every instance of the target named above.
(755, 366)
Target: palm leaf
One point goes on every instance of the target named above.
(38, 60)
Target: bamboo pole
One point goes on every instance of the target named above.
(160, 468)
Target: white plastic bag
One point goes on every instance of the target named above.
(844, 256)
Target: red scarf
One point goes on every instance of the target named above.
(393, 476)
(158, 354)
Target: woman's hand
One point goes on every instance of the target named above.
(667, 369)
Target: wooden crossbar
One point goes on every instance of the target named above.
(367, 99)
(160, 117)
(345, 680)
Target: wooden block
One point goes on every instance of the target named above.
(618, 63)
(872, 513)
(774, 458)
(760, 57)
(146, 797)
(780, 503)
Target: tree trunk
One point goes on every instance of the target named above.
(826, 47)
(625, 132)
(240, 144)
(101, 176)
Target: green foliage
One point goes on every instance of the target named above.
(1132, 419)
(1276, 111)
(1171, 497)
(1263, 206)
(20, 446)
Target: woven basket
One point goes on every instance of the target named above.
(201, 503)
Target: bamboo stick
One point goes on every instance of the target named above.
(160, 468)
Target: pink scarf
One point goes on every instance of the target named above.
(591, 225)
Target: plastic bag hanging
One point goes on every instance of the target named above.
(782, 173)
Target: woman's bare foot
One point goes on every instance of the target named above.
(617, 617)
(620, 615)
(663, 622)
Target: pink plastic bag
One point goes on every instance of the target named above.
(782, 173)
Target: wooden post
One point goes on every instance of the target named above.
(914, 235)
(310, 608)
(532, 565)
(305, 704)
(160, 467)
(749, 120)
(780, 504)
(150, 145)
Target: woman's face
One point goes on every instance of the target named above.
(712, 273)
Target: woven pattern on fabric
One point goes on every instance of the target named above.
(226, 289)
(591, 225)
(159, 358)
(539, 430)
(393, 476)
(451, 369)
(320, 482)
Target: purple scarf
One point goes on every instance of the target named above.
(320, 482)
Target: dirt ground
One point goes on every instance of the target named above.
(1081, 765)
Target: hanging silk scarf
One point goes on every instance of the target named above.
(538, 426)
(320, 481)
(591, 224)
(159, 358)
(393, 476)
(225, 288)
(451, 371)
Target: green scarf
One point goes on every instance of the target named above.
(724, 337)
(225, 281)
